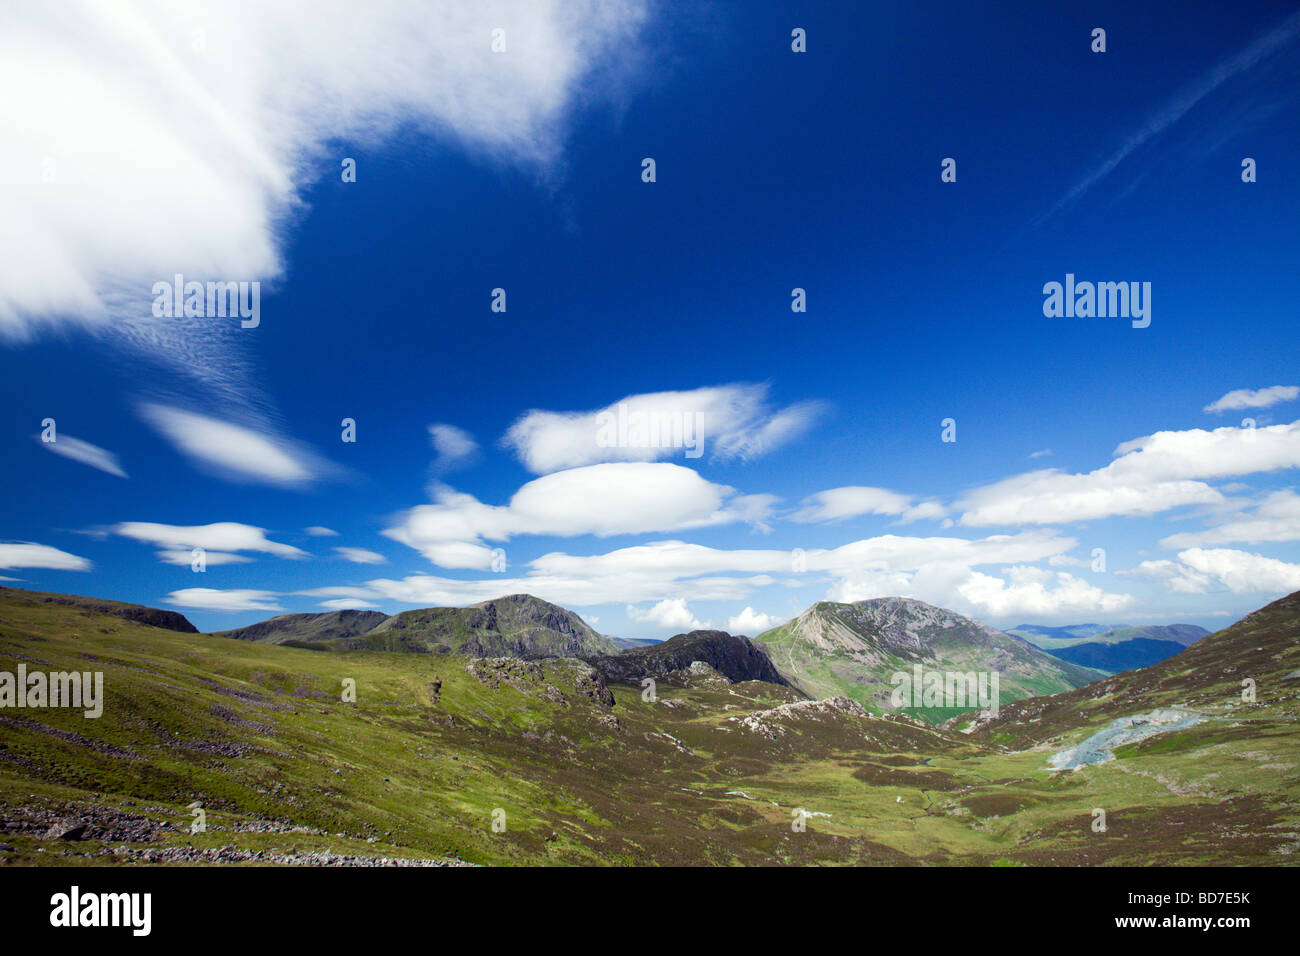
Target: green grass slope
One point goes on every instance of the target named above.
(308, 628)
(584, 773)
(518, 625)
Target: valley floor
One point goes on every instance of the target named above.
(444, 760)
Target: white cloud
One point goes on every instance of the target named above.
(28, 555)
(346, 604)
(455, 447)
(316, 531)
(671, 613)
(183, 558)
(602, 500)
(214, 599)
(218, 540)
(86, 453)
(929, 568)
(726, 422)
(1276, 518)
(1149, 475)
(219, 116)
(361, 556)
(1242, 572)
(236, 452)
(836, 504)
(1176, 576)
(750, 622)
(1243, 398)
(1199, 570)
(1034, 591)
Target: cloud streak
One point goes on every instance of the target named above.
(1181, 104)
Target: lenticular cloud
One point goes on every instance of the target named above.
(156, 138)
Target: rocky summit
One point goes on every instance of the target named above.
(855, 649)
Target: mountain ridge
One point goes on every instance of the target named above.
(853, 649)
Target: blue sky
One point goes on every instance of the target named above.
(775, 170)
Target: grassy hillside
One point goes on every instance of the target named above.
(589, 773)
(309, 628)
(519, 625)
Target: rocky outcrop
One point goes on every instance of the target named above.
(732, 656)
(776, 721)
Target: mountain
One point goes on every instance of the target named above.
(1120, 656)
(853, 650)
(308, 628)
(1184, 634)
(1069, 632)
(735, 658)
(1050, 638)
(518, 625)
(429, 753)
(151, 616)
(1113, 649)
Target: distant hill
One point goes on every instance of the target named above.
(1113, 649)
(734, 657)
(308, 628)
(152, 616)
(853, 650)
(518, 625)
(629, 642)
(1121, 656)
(1070, 632)
(1050, 638)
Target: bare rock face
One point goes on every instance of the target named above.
(777, 721)
(731, 656)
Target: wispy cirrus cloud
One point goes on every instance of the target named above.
(1285, 33)
(237, 452)
(219, 115)
(85, 453)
